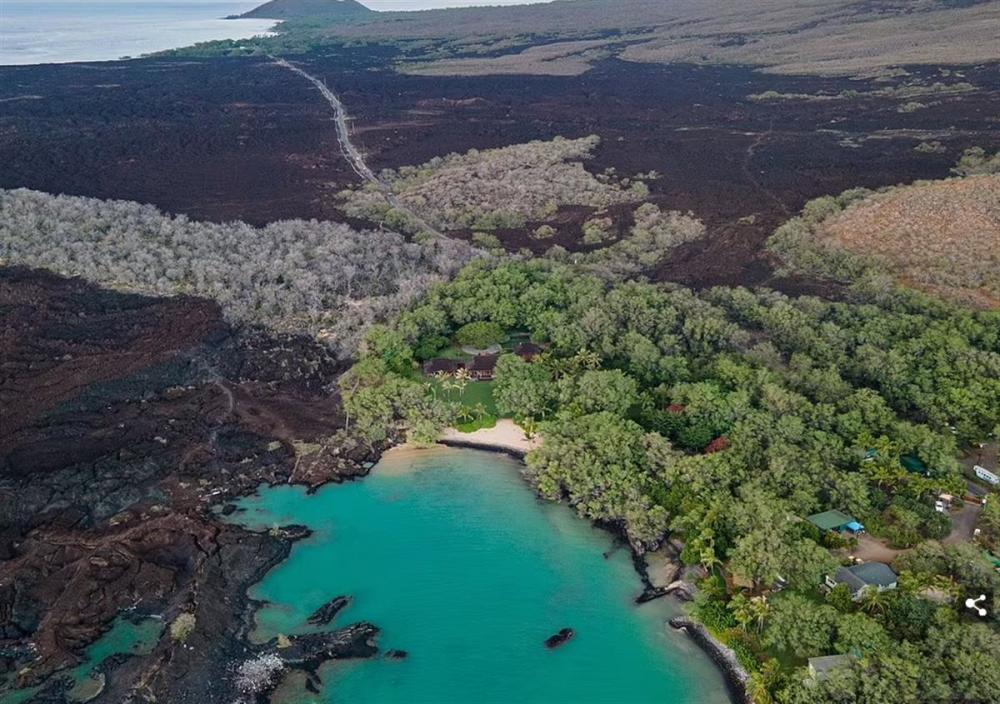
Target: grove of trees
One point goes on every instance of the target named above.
(492, 188)
(293, 276)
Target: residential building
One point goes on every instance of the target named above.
(482, 366)
(442, 366)
(819, 668)
(863, 578)
(836, 521)
(527, 351)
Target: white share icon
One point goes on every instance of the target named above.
(973, 604)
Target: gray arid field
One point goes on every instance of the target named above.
(827, 37)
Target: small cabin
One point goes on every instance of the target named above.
(837, 521)
(433, 367)
(483, 366)
(527, 351)
(820, 668)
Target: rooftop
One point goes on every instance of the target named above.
(822, 666)
(527, 349)
(483, 363)
(830, 520)
(869, 574)
(437, 366)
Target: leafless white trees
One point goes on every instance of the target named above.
(318, 277)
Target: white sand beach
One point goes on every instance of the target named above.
(506, 435)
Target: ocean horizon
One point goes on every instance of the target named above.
(63, 31)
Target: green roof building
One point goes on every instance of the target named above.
(835, 520)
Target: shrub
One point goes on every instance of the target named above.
(714, 615)
(977, 161)
(486, 240)
(596, 230)
(182, 627)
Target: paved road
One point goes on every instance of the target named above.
(350, 152)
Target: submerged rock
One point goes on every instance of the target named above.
(396, 654)
(325, 614)
(560, 638)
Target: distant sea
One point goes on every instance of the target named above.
(58, 31)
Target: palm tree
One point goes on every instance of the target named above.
(761, 683)
(758, 689)
(462, 380)
(530, 427)
(760, 609)
(874, 601)
(480, 410)
(707, 557)
(465, 414)
(448, 384)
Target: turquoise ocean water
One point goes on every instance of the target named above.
(58, 31)
(451, 554)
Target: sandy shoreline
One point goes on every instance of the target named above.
(506, 436)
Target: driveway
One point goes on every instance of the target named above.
(874, 550)
(962, 523)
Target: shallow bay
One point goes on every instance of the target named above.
(452, 555)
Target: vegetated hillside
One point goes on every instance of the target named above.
(321, 278)
(725, 418)
(308, 9)
(825, 36)
(938, 236)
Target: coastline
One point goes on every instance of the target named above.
(506, 436)
(723, 657)
(736, 677)
(99, 31)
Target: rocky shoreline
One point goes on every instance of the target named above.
(485, 447)
(140, 418)
(737, 678)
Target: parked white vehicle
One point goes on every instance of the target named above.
(986, 475)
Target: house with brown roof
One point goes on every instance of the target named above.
(433, 367)
(527, 351)
(482, 366)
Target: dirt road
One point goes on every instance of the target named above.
(351, 152)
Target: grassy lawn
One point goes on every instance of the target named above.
(475, 392)
(484, 422)
(454, 351)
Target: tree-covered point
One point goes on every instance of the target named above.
(801, 390)
(724, 418)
